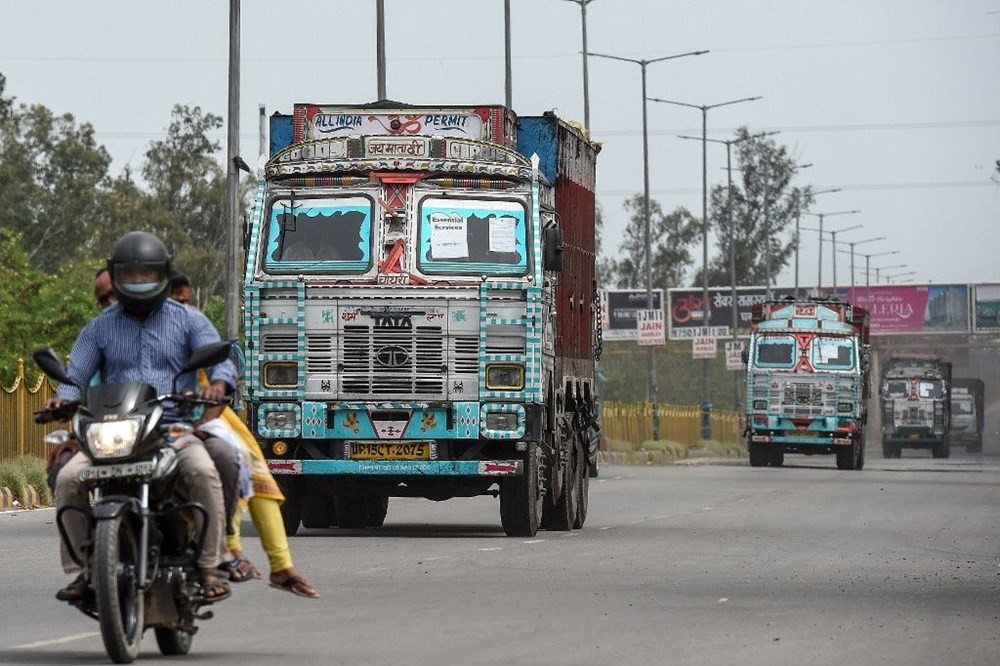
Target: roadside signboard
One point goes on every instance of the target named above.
(936, 308)
(687, 318)
(986, 309)
(649, 324)
(703, 347)
(734, 354)
(618, 311)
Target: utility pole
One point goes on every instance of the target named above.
(380, 46)
(233, 235)
(586, 79)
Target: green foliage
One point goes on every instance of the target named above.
(763, 205)
(672, 237)
(33, 469)
(12, 477)
(63, 212)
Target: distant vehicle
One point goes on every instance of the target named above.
(968, 404)
(916, 406)
(807, 381)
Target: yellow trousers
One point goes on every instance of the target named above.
(266, 516)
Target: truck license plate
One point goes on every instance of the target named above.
(389, 450)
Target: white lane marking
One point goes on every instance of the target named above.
(487, 550)
(606, 527)
(636, 522)
(431, 559)
(570, 534)
(706, 508)
(373, 570)
(666, 515)
(56, 641)
(533, 541)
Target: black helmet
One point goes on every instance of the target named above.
(140, 272)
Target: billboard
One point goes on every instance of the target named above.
(618, 311)
(986, 308)
(687, 319)
(894, 309)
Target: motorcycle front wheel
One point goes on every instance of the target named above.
(115, 574)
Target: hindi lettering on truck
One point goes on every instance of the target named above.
(422, 315)
(807, 381)
(916, 404)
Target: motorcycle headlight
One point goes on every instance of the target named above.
(113, 439)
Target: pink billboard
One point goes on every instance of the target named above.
(915, 309)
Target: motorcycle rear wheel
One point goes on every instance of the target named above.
(120, 603)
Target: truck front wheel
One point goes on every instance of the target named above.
(521, 498)
(759, 454)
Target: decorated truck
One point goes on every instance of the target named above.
(807, 381)
(968, 412)
(421, 312)
(916, 404)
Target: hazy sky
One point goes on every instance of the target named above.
(896, 102)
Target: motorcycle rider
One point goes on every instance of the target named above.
(148, 338)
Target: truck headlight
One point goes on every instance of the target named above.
(504, 377)
(113, 439)
(283, 374)
(280, 420)
(844, 407)
(760, 404)
(501, 421)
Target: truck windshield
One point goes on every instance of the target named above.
(472, 236)
(775, 352)
(930, 388)
(833, 354)
(896, 388)
(319, 234)
(962, 406)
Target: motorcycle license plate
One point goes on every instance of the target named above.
(120, 471)
(389, 450)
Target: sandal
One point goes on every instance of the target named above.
(214, 588)
(297, 585)
(239, 570)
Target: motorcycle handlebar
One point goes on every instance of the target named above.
(61, 413)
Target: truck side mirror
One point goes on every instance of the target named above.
(553, 259)
(745, 356)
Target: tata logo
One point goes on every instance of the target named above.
(392, 356)
(392, 321)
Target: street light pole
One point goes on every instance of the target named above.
(651, 356)
(819, 277)
(867, 240)
(380, 46)
(233, 237)
(833, 250)
(732, 240)
(706, 405)
(798, 236)
(586, 80)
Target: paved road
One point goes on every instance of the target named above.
(707, 564)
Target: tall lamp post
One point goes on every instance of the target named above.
(651, 356)
(851, 252)
(833, 249)
(732, 237)
(868, 273)
(586, 81)
(890, 278)
(798, 236)
(233, 237)
(706, 404)
(821, 216)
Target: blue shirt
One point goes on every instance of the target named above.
(124, 349)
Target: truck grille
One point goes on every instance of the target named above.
(393, 362)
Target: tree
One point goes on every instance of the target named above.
(188, 186)
(764, 204)
(671, 238)
(51, 174)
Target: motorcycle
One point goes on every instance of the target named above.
(143, 539)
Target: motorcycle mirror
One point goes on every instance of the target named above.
(203, 357)
(52, 365)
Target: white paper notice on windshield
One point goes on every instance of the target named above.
(828, 352)
(449, 236)
(502, 238)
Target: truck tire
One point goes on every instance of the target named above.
(559, 515)
(759, 454)
(378, 507)
(521, 497)
(776, 456)
(317, 512)
(940, 449)
(583, 492)
(890, 450)
(847, 456)
(351, 512)
(975, 446)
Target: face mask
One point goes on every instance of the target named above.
(139, 287)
